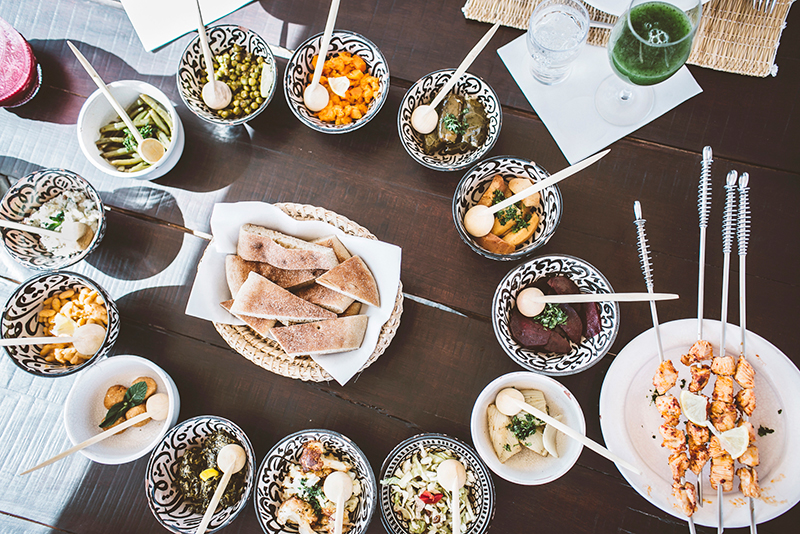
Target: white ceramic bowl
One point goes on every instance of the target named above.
(31, 192)
(83, 409)
(582, 355)
(528, 468)
(97, 112)
(192, 66)
(276, 465)
(299, 71)
(423, 92)
(472, 186)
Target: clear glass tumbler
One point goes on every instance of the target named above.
(557, 32)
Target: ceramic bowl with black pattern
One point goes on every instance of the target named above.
(163, 497)
(479, 487)
(20, 319)
(278, 461)
(423, 92)
(28, 194)
(475, 183)
(299, 72)
(582, 355)
(192, 66)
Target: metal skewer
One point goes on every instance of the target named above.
(742, 237)
(703, 209)
(647, 271)
(644, 259)
(727, 243)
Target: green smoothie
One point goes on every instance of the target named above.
(655, 54)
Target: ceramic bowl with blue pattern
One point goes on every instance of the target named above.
(582, 355)
(299, 72)
(192, 66)
(423, 92)
(28, 194)
(163, 497)
(477, 180)
(20, 319)
(276, 466)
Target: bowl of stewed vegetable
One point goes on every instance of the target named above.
(243, 61)
(110, 146)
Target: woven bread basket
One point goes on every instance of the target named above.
(267, 353)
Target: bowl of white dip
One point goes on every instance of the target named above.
(46, 199)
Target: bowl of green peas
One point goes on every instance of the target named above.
(243, 60)
(109, 145)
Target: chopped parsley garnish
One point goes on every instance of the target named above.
(683, 383)
(130, 142)
(763, 431)
(653, 396)
(507, 447)
(524, 425)
(455, 124)
(780, 411)
(552, 316)
(57, 219)
(311, 494)
(497, 197)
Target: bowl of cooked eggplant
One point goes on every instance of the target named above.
(469, 121)
(562, 339)
(518, 230)
(111, 147)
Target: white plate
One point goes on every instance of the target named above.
(614, 7)
(630, 421)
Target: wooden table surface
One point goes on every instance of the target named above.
(445, 351)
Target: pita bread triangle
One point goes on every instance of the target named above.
(260, 326)
(354, 279)
(258, 297)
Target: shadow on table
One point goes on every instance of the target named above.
(134, 249)
(65, 85)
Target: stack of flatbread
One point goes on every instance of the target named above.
(305, 295)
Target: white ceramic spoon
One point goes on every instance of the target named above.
(315, 96)
(511, 401)
(338, 487)
(151, 150)
(424, 117)
(531, 301)
(478, 220)
(230, 460)
(87, 339)
(452, 475)
(216, 94)
(70, 232)
(157, 407)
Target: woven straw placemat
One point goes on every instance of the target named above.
(267, 353)
(732, 37)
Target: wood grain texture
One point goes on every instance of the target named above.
(439, 361)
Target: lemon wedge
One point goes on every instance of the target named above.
(735, 441)
(694, 407)
(339, 85)
(208, 473)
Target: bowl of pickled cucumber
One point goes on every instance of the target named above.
(242, 60)
(111, 147)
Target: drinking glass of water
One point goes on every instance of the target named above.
(556, 33)
(648, 44)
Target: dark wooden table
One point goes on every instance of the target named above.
(439, 361)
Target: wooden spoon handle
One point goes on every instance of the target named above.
(201, 30)
(477, 49)
(604, 297)
(557, 177)
(91, 441)
(558, 425)
(104, 88)
(326, 41)
(212, 506)
(455, 507)
(32, 229)
(17, 341)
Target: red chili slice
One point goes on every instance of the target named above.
(430, 498)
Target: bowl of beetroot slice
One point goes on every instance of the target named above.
(565, 338)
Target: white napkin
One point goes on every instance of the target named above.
(567, 109)
(158, 22)
(210, 286)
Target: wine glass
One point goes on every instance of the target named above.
(648, 44)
